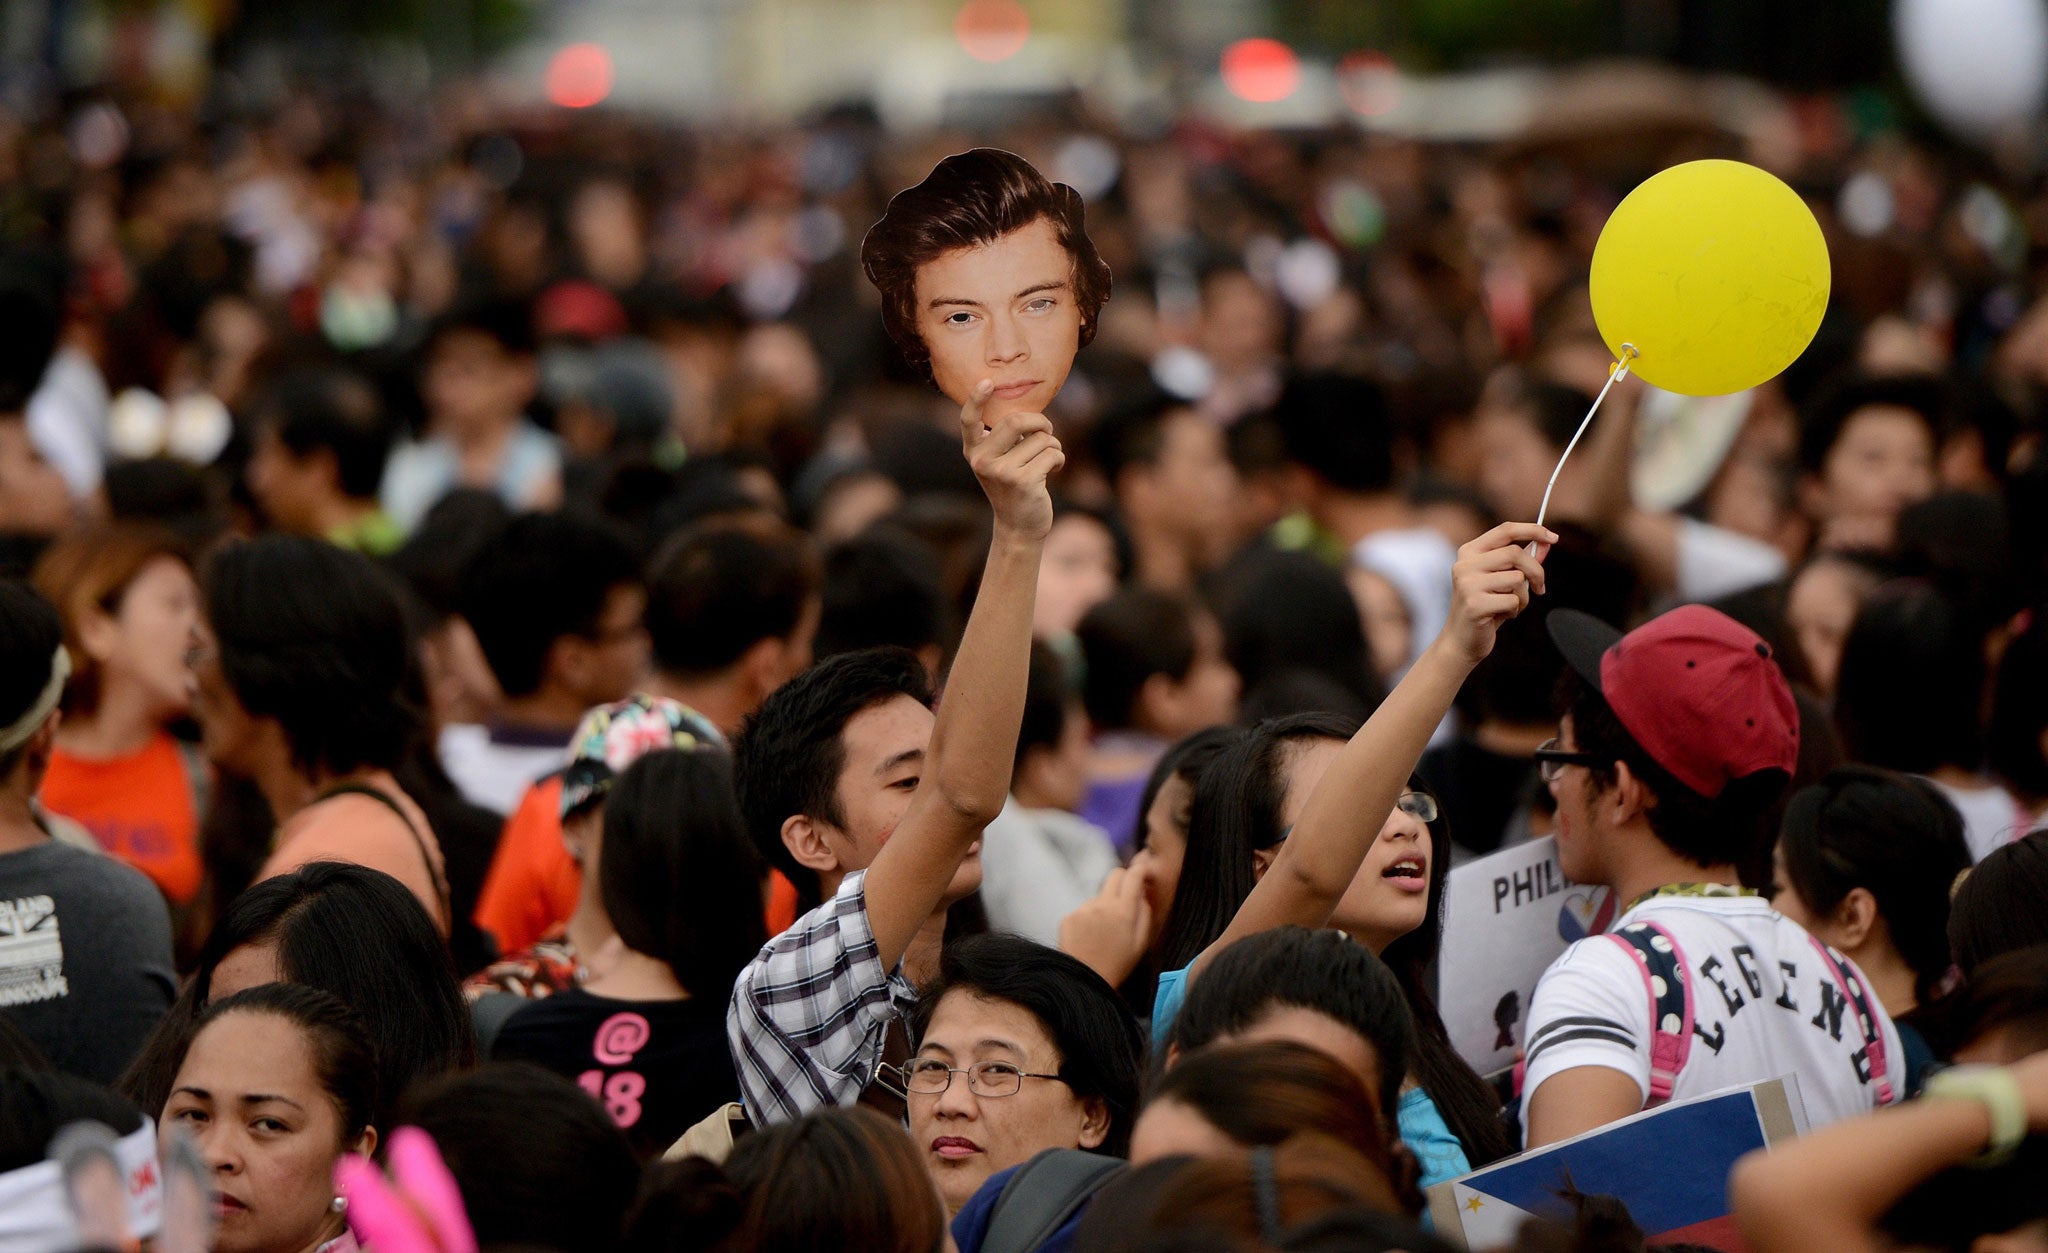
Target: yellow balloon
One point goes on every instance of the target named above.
(1716, 272)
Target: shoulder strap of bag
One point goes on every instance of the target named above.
(1669, 988)
(419, 841)
(1043, 1195)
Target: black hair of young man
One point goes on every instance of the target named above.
(715, 591)
(1127, 639)
(543, 577)
(1340, 428)
(339, 412)
(881, 590)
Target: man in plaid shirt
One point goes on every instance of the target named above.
(875, 808)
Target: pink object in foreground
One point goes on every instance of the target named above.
(418, 1210)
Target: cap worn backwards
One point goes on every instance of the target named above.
(1695, 688)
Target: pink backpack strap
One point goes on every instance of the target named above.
(1662, 964)
(1857, 994)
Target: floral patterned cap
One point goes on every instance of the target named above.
(613, 737)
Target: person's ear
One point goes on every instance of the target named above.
(1855, 919)
(1630, 796)
(1262, 861)
(98, 633)
(1172, 1055)
(366, 1143)
(805, 840)
(1094, 1122)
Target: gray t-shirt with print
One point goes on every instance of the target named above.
(85, 957)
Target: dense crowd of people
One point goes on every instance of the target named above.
(579, 684)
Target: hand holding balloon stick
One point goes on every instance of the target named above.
(1709, 278)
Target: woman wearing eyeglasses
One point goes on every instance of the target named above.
(1244, 808)
(1281, 834)
(1020, 1048)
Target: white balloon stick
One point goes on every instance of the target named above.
(1615, 375)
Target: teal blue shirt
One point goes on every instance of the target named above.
(1440, 1153)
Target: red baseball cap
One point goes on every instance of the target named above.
(1697, 689)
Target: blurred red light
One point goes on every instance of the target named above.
(1261, 70)
(992, 30)
(579, 76)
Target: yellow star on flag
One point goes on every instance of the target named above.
(1474, 1204)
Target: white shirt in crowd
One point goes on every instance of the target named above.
(1765, 1004)
(1991, 817)
(493, 771)
(1038, 866)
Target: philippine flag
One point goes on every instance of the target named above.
(1669, 1166)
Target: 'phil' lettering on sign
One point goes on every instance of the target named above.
(1531, 883)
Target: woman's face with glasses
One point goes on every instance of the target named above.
(1390, 895)
(1005, 1108)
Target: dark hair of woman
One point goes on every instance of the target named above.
(1102, 1051)
(1184, 761)
(1892, 835)
(2008, 997)
(571, 1197)
(1326, 972)
(1236, 814)
(343, 1056)
(1263, 1093)
(2002, 904)
(1291, 612)
(1909, 694)
(971, 199)
(2017, 737)
(837, 1179)
(679, 873)
(349, 930)
(1255, 1200)
(314, 636)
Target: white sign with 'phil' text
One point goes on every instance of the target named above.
(1507, 916)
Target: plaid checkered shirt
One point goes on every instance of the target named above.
(807, 1017)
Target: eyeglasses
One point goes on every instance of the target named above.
(928, 1076)
(1551, 760)
(1420, 806)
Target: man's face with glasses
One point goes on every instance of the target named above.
(984, 1094)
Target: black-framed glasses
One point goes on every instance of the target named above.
(1551, 760)
(1420, 806)
(928, 1076)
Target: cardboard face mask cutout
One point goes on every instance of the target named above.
(986, 272)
